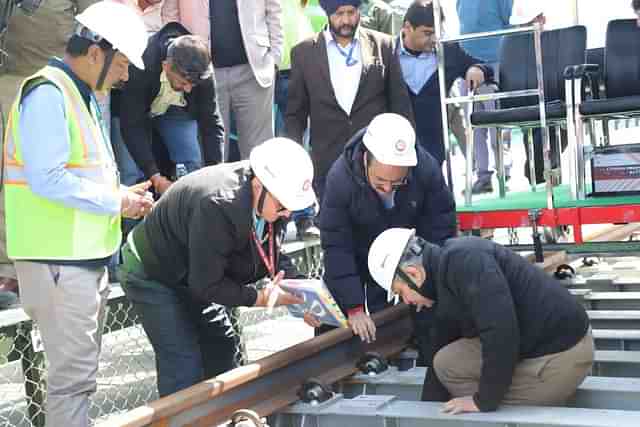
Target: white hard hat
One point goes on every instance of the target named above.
(120, 25)
(286, 171)
(391, 139)
(385, 254)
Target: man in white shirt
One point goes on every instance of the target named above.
(351, 74)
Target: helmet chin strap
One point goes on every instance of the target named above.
(108, 59)
(409, 281)
(261, 198)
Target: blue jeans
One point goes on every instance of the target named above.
(179, 133)
(130, 173)
(192, 341)
(280, 99)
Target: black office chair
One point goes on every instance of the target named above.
(560, 48)
(605, 93)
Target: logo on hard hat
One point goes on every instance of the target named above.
(400, 146)
(306, 185)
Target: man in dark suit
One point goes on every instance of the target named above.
(352, 75)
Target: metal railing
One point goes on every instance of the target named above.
(127, 375)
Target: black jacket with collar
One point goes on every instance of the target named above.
(517, 310)
(143, 87)
(199, 236)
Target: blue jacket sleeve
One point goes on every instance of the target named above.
(46, 149)
(437, 222)
(341, 272)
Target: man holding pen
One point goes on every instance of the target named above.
(211, 235)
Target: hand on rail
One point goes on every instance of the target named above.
(362, 326)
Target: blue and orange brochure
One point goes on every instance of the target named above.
(317, 301)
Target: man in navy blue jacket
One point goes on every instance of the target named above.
(416, 52)
(381, 180)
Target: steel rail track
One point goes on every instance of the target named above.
(272, 383)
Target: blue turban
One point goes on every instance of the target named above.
(330, 6)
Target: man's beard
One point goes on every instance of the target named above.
(346, 31)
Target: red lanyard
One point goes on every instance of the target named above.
(270, 262)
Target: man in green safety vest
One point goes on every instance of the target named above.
(63, 200)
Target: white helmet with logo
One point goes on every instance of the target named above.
(286, 171)
(118, 24)
(385, 254)
(391, 139)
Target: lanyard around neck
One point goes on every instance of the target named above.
(349, 59)
(269, 262)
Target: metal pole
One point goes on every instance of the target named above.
(546, 144)
(572, 137)
(502, 190)
(558, 143)
(437, 12)
(468, 182)
(576, 12)
(579, 123)
(532, 160)
(483, 35)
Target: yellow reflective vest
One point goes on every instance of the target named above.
(41, 229)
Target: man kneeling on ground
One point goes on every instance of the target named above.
(505, 332)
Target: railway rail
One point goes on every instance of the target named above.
(273, 383)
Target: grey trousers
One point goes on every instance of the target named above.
(238, 91)
(548, 380)
(68, 304)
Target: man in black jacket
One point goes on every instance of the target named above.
(175, 96)
(381, 180)
(505, 331)
(212, 234)
(416, 52)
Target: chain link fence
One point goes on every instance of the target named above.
(127, 376)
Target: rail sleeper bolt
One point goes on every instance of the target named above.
(247, 418)
(372, 364)
(313, 391)
(565, 271)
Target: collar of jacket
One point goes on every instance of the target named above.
(241, 209)
(431, 258)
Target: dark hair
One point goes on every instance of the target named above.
(190, 57)
(79, 46)
(420, 13)
(635, 4)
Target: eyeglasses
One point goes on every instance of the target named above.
(379, 182)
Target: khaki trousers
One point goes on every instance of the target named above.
(68, 305)
(548, 380)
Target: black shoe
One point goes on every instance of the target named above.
(480, 187)
(306, 229)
